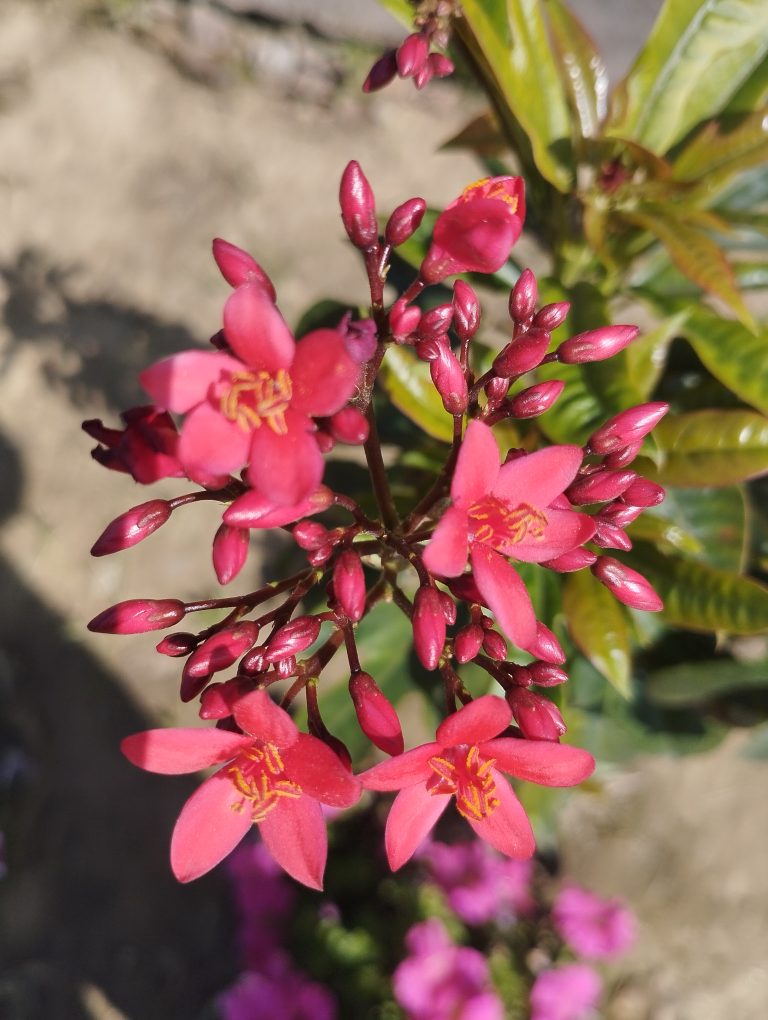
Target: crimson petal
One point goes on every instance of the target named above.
(480, 720)
(181, 381)
(287, 468)
(174, 752)
(211, 824)
(412, 815)
(318, 771)
(323, 375)
(538, 478)
(540, 761)
(504, 592)
(255, 329)
(257, 714)
(294, 833)
(254, 510)
(507, 828)
(565, 530)
(446, 552)
(477, 466)
(404, 770)
(210, 445)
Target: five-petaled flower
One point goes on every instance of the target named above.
(256, 407)
(510, 511)
(276, 777)
(466, 761)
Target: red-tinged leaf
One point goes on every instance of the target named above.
(598, 626)
(581, 67)
(716, 153)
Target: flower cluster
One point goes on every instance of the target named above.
(412, 58)
(250, 423)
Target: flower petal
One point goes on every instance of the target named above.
(504, 592)
(254, 510)
(210, 445)
(294, 833)
(477, 466)
(540, 761)
(324, 376)
(173, 752)
(179, 382)
(538, 478)
(507, 828)
(565, 530)
(318, 771)
(211, 824)
(257, 714)
(480, 720)
(412, 815)
(255, 329)
(446, 552)
(288, 468)
(404, 770)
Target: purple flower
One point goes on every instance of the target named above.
(593, 927)
(570, 992)
(263, 900)
(440, 980)
(480, 885)
(287, 995)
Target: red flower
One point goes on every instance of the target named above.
(475, 234)
(256, 408)
(466, 762)
(146, 448)
(277, 777)
(506, 511)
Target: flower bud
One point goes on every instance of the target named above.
(522, 354)
(412, 55)
(535, 400)
(403, 319)
(238, 267)
(429, 626)
(468, 643)
(349, 425)
(375, 714)
(621, 458)
(132, 527)
(627, 428)
(450, 381)
(543, 674)
(627, 585)
(546, 646)
(286, 667)
(440, 65)
(382, 72)
(137, 616)
(568, 562)
(423, 77)
(218, 700)
(404, 221)
(230, 551)
(643, 492)
(521, 676)
(310, 535)
(466, 310)
(596, 344)
(551, 316)
(292, 638)
(620, 514)
(599, 486)
(523, 297)
(358, 208)
(537, 716)
(494, 645)
(178, 644)
(324, 440)
(253, 662)
(318, 557)
(436, 322)
(349, 585)
(496, 390)
(220, 650)
(449, 607)
(610, 536)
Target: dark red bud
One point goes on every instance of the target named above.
(544, 674)
(358, 207)
(132, 527)
(412, 55)
(521, 676)
(349, 585)
(627, 585)
(450, 381)
(137, 616)
(431, 350)
(230, 551)
(599, 486)
(496, 390)
(178, 644)
(436, 321)
(310, 535)
(318, 557)
(424, 76)
(382, 72)
(404, 221)
(286, 667)
(293, 638)
(643, 492)
(403, 319)
(551, 316)
(522, 354)
(596, 344)
(621, 514)
(621, 458)
(349, 425)
(522, 300)
(238, 267)
(222, 649)
(494, 645)
(468, 643)
(466, 310)
(627, 428)
(537, 716)
(449, 607)
(218, 700)
(375, 714)
(440, 65)
(610, 536)
(535, 400)
(546, 646)
(429, 626)
(254, 662)
(576, 559)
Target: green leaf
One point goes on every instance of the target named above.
(706, 448)
(734, 355)
(716, 154)
(700, 597)
(409, 386)
(598, 625)
(693, 252)
(509, 40)
(690, 683)
(577, 412)
(482, 135)
(581, 67)
(696, 58)
(646, 357)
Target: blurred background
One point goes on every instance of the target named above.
(131, 133)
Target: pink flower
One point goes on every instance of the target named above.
(476, 232)
(146, 448)
(440, 980)
(500, 511)
(466, 762)
(277, 777)
(256, 407)
(570, 992)
(593, 927)
(278, 993)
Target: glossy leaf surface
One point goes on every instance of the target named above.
(598, 626)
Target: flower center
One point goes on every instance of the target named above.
(497, 189)
(253, 397)
(461, 771)
(501, 525)
(259, 775)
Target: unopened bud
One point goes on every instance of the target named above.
(293, 638)
(546, 646)
(230, 551)
(544, 674)
(643, 492)
(216, 653)
(627, 585)
(551, 316)
(494, 645)
(522, 354)
(358, 207)
(132, 527)
(627, 428)
(349, 425)
(436, 322)
(218, 700)
(318, 557)
(496, 390)
(136, 616)
(610, 536)
(286, 667)
(537, 716)
(440, 65)
(254, 662)
(403, 319)
(522, 299)
(621, 514)
(450, 381)
(178, 644)
(424, 76)
(596, 344)
(599, 486)
(521, 676)
(375, 714)
(449, 607)
(238, 267)
(466, 310)
(324, 440)
(412, 55)
(568, 562)
(382, 72)
(429, 626)
(623, 457)
(310, 535)
(404, 221)
(535, 400)
(468, 643)
(349, 585)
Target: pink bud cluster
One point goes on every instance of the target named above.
(413, 57)
(250, 422)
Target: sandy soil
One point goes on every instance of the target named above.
(121, 155)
